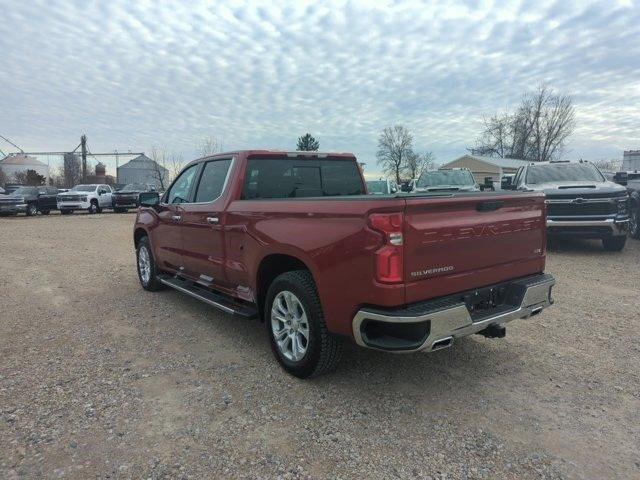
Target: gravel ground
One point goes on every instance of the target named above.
(99, 379)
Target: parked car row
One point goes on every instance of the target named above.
(580, 201)
(93, 198)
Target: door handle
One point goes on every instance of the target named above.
(213, 220)
(176, 218)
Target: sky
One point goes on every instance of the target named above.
(258, 74)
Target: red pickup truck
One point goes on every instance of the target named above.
(293, 239)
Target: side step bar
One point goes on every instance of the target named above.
(217, 300)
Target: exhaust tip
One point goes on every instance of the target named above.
(442, 343)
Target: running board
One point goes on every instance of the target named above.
(217, 300)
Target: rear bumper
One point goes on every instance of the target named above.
(588, 228)
(431, 325)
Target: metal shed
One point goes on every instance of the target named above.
(142, 169)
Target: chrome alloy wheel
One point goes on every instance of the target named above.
(290, 326)
(144, 264)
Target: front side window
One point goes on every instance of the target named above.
(180, 189)
(212, 180)
(563, 172)
(299, 178)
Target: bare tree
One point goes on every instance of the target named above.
(3, 178)
(394, 147)
(416, 163)
(209, 146)
(29, 177)
(160, 171)
(175, 164)
(536, 131)
(612, 165)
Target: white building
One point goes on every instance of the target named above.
(631, 160)
(482, 167)
(143, 170)
(19, 162)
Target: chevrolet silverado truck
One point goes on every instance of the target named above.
(29, 200)
(127, 197)
(292, 238)
(92, 198)
(581, 202)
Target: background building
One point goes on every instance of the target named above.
(631, 160)
(143, 170)
(482, 167)
(19, 162)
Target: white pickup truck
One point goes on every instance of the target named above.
(92, 198)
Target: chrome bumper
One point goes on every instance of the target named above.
(617, 226)
(455, 321)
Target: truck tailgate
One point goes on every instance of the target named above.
(465, 241)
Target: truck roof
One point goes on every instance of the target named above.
(288, 153)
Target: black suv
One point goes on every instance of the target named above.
(581, 202)
(127, 197)
(29, 200)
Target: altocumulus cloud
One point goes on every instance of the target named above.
(258, 74)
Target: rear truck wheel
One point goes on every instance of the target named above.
(297, 331)
(614, 244)
(32, 210)
(634, 222)
(147, 266)
(45, 212)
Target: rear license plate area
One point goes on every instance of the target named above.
(487, 301)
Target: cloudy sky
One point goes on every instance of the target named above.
(132, 75)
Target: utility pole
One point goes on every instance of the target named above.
(83, 145)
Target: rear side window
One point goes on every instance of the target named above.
(212, 180)
(299, 178)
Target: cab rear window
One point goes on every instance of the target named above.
(299, 178)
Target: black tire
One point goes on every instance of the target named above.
(634, 222)
(93, 207)
(614, 244)
(66, 212)
(45, 212)
(32, 210)
(323, 349)
(151, 284)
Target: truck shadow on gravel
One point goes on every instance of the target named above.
(470, 361)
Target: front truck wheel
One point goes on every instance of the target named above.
(614, 244)
(297, 331)
(147, 272)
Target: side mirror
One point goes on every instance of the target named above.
(148, 199)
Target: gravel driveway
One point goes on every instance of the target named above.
(101, 379)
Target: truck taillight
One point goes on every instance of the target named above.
(389, 257)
